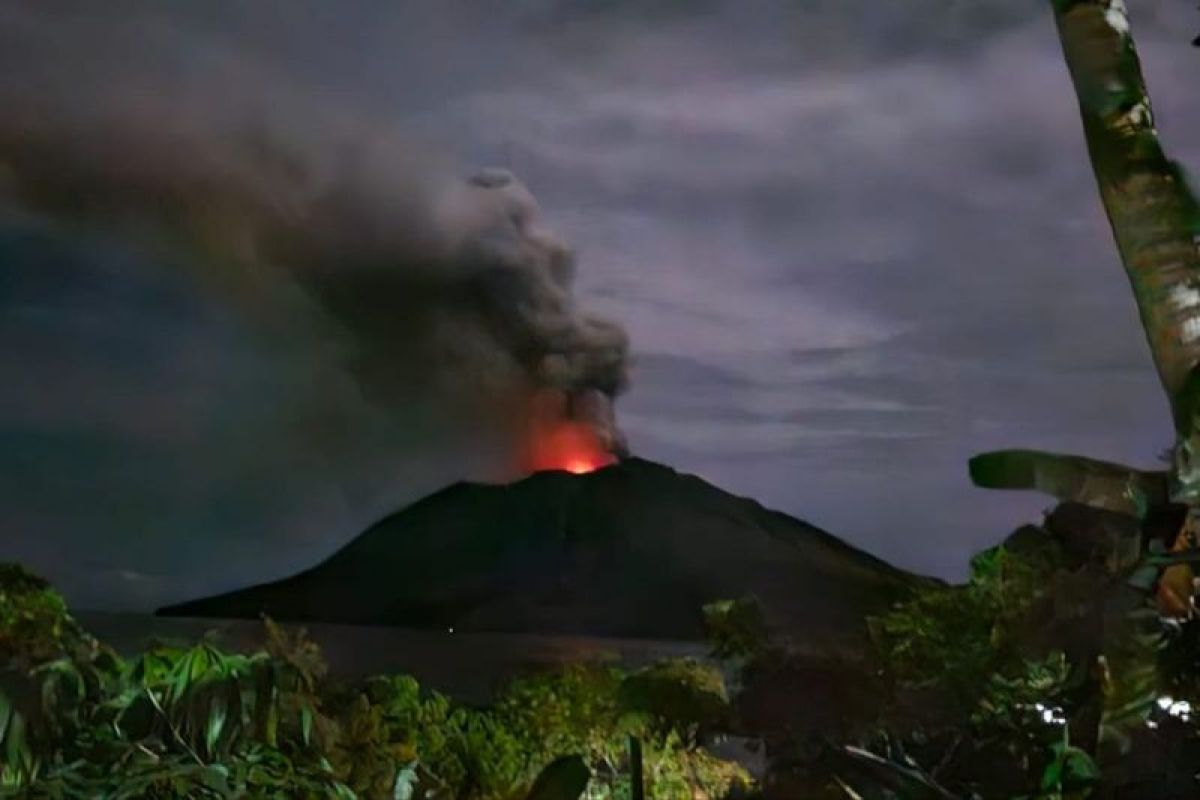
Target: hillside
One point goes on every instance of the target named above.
(634, 549)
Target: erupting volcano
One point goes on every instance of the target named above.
(635, 549)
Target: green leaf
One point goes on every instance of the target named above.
(6, 713)
(272, 726)
(406, 779)
(1080, 768)
(1071, 768)
(1144, 577)
(16, 746)
(216, 777)
(861, 768)
(1189, 556)
(1052, 775)
(306, 723)
(565, 778)
(216, 724)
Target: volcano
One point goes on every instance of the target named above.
(632, 549)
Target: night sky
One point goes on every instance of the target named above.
(853, 243)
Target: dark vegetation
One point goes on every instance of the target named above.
(76, 720)
(1050, 674)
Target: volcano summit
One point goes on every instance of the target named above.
(632, 549)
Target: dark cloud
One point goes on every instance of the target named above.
(431, 279)
(447, 292)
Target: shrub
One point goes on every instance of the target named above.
(195, 722)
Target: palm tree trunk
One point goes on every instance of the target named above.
(1155, 222)
(1152, 213)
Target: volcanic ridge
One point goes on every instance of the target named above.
(633, 549)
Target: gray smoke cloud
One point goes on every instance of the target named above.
(444, 293)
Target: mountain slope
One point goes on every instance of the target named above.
(634, 549)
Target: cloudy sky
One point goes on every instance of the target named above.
(852, 245)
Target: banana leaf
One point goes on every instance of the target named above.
(1099, 484)
(863, 775)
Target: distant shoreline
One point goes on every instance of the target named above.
(466, 665)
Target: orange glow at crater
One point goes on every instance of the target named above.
(556, 441)
(566, 445)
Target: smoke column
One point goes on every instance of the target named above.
(443, 292)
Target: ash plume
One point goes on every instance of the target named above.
(441, 291)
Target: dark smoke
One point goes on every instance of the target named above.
(442, 290)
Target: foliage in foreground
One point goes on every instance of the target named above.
(78, 721)
(1049, 674)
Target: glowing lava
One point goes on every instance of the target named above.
(566, 445)
(561, 435)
